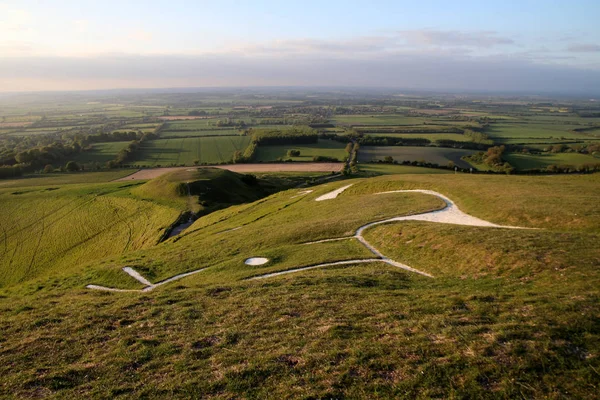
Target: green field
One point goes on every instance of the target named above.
(515, 132)
(184, 151)
(436, 155)
(100, 153)
(531, 161)
(328, 148)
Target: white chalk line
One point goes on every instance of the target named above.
(303, 193)
(148, 285)
(450, 214)
(332, 195)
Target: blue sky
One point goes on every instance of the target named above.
(84, 44)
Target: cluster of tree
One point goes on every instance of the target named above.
(455, 144)
(247, 155)
(241, 124)
(567, 169)
(113, 137)
(493, 159)
(294, 135)
(392, 141)
(197, 113)
(588, 148)
(477, 136)
(128, 153)
(325, 159)
(407, 130)
(293, 153)
(423, 163)
(40, 156)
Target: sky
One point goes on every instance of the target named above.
(536, 46)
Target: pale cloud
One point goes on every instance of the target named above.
(584, 48)
(414, 41)
(439, 72)
(483, 39)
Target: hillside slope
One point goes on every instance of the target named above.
(508, 312)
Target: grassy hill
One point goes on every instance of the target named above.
(49, 230)
(510, 313)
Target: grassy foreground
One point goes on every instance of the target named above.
(511, 313)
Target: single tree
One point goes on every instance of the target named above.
(72, 166)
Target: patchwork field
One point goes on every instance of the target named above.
(435, 155)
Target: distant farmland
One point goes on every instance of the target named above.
(196, 128)
(327, 148)
(184, 151)
(437, 155)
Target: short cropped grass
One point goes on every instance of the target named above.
(509, 314)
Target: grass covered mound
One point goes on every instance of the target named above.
(204, 190)
(510, 313)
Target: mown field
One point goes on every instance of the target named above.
(515, 131)
(185, 151)
(100, 153)
(510, 313)
(325, 148)
(530, 161)
(437, 155)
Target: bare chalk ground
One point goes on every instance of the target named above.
(332, 195)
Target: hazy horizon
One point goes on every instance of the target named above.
(465, 46)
